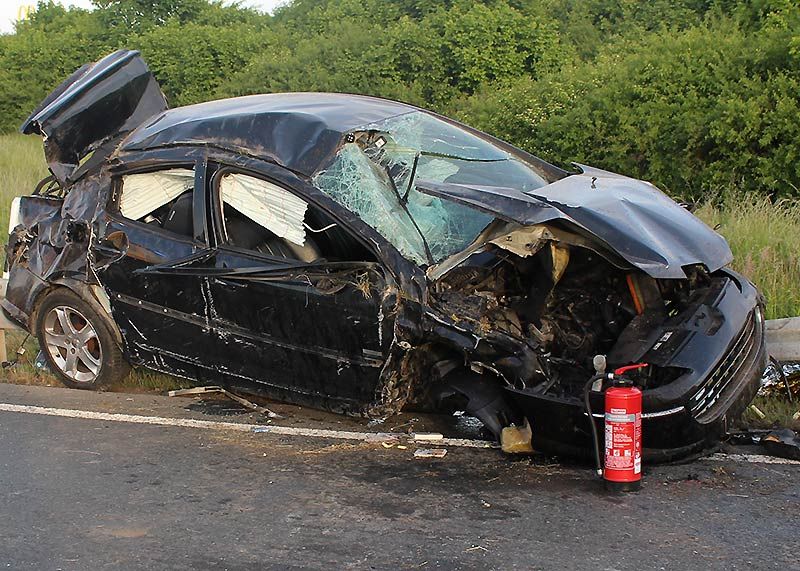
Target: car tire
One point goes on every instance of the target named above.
(78, 342)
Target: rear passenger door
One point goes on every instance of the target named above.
(293, 323)
(155, 217)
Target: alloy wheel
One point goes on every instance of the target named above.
(73, 344)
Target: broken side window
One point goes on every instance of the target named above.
(161, 198)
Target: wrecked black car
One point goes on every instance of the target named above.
(364, 256)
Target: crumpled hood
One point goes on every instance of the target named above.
(633, 218)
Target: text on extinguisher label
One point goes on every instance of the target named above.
(622, 436)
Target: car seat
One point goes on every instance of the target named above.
(179, 218)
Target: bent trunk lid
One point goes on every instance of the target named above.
(97, 103)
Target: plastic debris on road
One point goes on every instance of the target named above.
(430, 453)
(784, 443)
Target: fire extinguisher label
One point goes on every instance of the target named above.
(622, 433)
(616, 417)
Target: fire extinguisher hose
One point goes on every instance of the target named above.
(595, 438)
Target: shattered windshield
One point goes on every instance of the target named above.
(376, 177)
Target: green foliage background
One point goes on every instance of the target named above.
(698, 96)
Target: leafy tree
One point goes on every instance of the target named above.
(452, 52)
(690, 114)
(192, 60)
(139, 15)
(370, 47)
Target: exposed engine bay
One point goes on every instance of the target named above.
(565, 304)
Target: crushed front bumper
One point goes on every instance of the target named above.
(690, 414)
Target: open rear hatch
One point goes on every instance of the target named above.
(98, 103)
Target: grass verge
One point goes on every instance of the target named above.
(778, 413)
(25, 372)
(764, 238)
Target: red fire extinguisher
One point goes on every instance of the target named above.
(623, 433)
(622, 468)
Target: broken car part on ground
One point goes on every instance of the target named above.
(363, 255)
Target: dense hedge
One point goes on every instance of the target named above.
(704, 109)
(695, 95)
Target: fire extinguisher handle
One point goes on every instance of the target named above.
(626, 368)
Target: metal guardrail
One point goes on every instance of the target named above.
(783, 338)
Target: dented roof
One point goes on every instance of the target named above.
(299, 131)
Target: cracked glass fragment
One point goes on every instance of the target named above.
(357, 184)
(375, 176)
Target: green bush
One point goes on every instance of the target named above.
(693, 111)
(192, 60)
(374, 47)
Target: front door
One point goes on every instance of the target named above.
(292, 323)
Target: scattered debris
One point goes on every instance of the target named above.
(746, 437)
(757, 411)
(430, 453)
(219, 390)
(408, 424)
(517, 439)
(427, 436)
(782, 374)
(781, 380)
(476, 548)
(784, 443)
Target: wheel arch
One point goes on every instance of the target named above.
(94, 295)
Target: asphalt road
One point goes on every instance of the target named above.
(96, 494)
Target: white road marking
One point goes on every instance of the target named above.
(235, 426)
(756, 458)
(307, 432)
